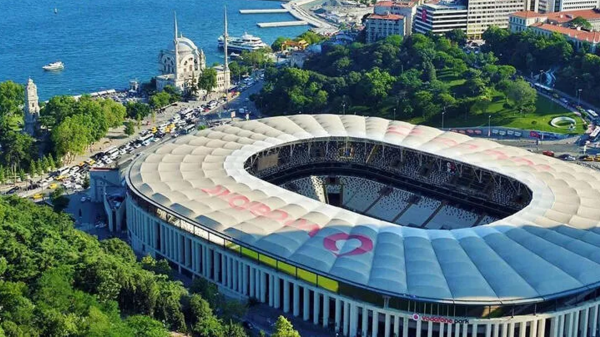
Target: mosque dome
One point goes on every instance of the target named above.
(184, 45)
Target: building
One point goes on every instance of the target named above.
(439, 18)
(408, 9)
(106, 187)
(32, 108)
(182, 64)
(211, 205)
(549, 6)
(381, 26)
(485, 13)
(558, 22)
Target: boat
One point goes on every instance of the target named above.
(234, 56)
(246, 42)
(55, 10)
(54, 66)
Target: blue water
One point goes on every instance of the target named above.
(105, 43)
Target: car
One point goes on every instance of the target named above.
(548, 153)
(37, 196)
(586, 157)
(566, 157)
(84, 199)
(53, 186)
(248, 325)
(14, 190)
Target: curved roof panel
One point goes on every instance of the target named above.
(548, 249)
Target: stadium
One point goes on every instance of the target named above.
(372, 227)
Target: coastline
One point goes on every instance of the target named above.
(295, 8)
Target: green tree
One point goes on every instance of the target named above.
(234, 330)
(276, 46)
(2, 175)
(208, 80)
(59, 200)
(22, 174)
(580, 22)
(159, 100)
(144, 326)
(522, 95)
(44, 164)
(135, 110)
(51, 163)
(33, 168)
(86, 182)
(11, 99)
(17, 148)
(283, 328)
(72, 136)
(129, 128)
(208, 327)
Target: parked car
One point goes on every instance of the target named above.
(566, 157)
(548, 153)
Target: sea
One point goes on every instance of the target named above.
(106, 43)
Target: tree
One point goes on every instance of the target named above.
(283, 328)
(129, 128)
(276, 46)
(45, 164)
(234, 330)
(580, 22)
(522, 95)
(457, 36)
(208, 80)
(86, 182)
(11, 99)
(33, 169)
(17, 148)
(71, 137)
(59, 200)
(208, 327)
(51, 163)
(160, 100)
(135, 110)
(144, 326)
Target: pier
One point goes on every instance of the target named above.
(264, 11)
(281, 24)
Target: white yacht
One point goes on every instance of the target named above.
(245, 42)
(54, 66)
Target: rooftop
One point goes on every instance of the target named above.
(395, 4)
(394, 17)
(581, 35)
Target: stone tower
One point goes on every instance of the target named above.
(32, 107)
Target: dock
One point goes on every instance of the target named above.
(264, 11)
(282, 24)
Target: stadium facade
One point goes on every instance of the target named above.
(210, 204)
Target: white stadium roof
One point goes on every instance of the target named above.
(548, 249)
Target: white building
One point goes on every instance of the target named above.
(549, 6)
(32, 108)
(408, 9)
(534, 273)
(557, 22)
(182, 63)
(381, 26)
(440, 18)
(485, 13)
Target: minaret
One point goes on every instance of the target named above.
(226, 77)
(175, 42)
(32, 107)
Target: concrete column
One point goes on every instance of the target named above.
(257, 284)
(186, 255)
(346, 318)
(217, 268)
(365, 322)
(474, 330)
(441, 330)
(296, 300)
(541, 329)
(353, 319)
(429, 329)
(316, 307)
(194, 262)
(244, 278)
(224, 270)
(504, 331)
(306, 304)
(405, 327)
(496, 330)
(387, 325)
(594, 323)
(465, 328)
(584, 322)
(286, 296)
(397, 326)
(263, 286)
(338, 314)
(488, 330)
(554, 326)
(252, 280)
(240, 274)
(325, 310)
(271, 291)
(162, 238)
(457, 330)
(375, 323)
(277, 293)
(449, 330)
(522, 329)
(533, 328)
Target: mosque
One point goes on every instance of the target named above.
(182, 63)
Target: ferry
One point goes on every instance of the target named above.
(54, 66)
(245, 42)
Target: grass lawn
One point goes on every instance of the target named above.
(546, 109)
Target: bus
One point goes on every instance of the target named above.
(592, 113)
(188, 128)
(112, 153)
(147, 137)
